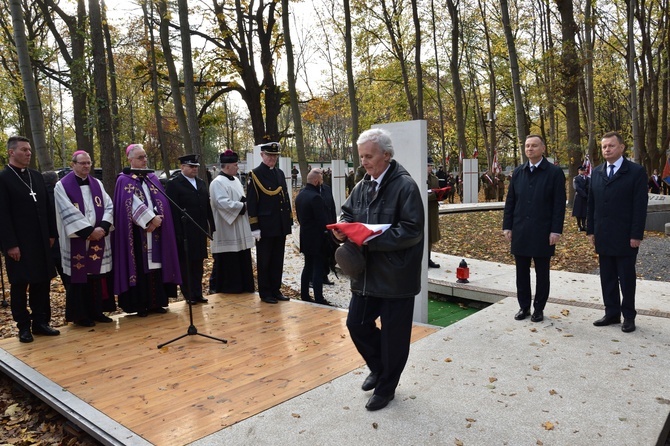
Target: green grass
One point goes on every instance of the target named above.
(442, 313)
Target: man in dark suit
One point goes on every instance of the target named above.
(533, 223)
(581, 185)
(311, 212)
(617, 213)
(270, 217)
(27, 233)
(191, 194)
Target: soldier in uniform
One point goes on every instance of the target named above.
(271, 218)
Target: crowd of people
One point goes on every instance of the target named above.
(149, 239)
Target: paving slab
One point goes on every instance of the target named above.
(489, 379)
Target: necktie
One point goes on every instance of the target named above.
(532, 168)
(611, 174)
(372, 191)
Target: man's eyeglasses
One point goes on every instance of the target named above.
(83, 163)
(141, 157)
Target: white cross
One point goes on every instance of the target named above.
(34, 195)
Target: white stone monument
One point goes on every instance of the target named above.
(470, 181)
(339, 176)
(410, 143)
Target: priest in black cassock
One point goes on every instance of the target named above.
(27, 232)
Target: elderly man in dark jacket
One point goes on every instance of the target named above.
(533, 223)
(392, 275)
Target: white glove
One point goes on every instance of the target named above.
(256, 234)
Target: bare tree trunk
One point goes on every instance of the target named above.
(116, 150)
(173, 75)
(39, 143)
(632, 82)
(417, 60)
(104, 118)
(455, 77)
(351, 86)
(588, 81)
(158, 116)
(293, 94)
(570, 71)
(189, 87)
(438, 89)
(520, 114)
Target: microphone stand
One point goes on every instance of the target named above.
(192, 330)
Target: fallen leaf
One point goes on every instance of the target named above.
(548, 425)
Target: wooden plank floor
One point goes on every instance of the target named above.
(197, 386)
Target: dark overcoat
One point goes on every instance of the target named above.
(196, 203)
(268, 202)
(311, 213)
(27, 224)
(581, 185)
(617, 208)
(534, 208)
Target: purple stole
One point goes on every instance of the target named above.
(92, 260)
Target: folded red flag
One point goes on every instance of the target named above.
(440, 193)
(357, 232)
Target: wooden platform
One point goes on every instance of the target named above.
(196, 386)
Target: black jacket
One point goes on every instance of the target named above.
(196, 203)
(28, 224)
(269, 206)
(617, 208)
(534, 208)
(393, 259)
(311, 213)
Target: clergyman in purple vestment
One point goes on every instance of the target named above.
(146, 265)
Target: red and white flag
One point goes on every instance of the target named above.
(587, 164)
(496, 164)
(475, 153)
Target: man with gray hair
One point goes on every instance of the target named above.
(392, 276)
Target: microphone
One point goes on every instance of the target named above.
(138, 172)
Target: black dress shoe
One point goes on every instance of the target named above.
(159, 310)
(44, 329)
(307, 299)
(324, 302)
(522, 314)
(537, 316)
(85, 323)
(102, 318)
(25, 335)
(282, 297)
(143, 313)
(191, 301)
(432, 264)
(370, 382)
(607, 320)
(269, 300)
(200, 299)
(377, 402)
(327, 281)
(628, 325)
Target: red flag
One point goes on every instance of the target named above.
(587, 164)
(666, 170)
(496, 165)
(475, 153)
(357, 232)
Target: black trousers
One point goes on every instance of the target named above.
(312, 272)
(618, 273)
(386, 349)
(40, 304)
(523, 292)
(270, 265)
(191, 277)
